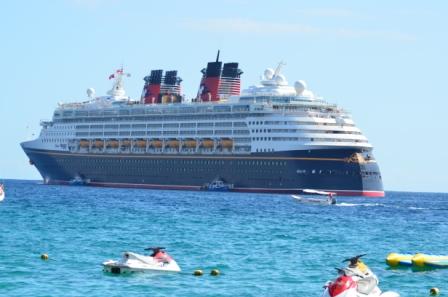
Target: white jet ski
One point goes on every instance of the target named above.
(158, 261)
(2, 192)
(357, 280)
(316, 201)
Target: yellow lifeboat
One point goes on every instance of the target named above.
(141, 143)
(113, 143)
(125, 142)
(84, 143)
(190, 143)
(166, 99)
(226, 143)
(174, 143)
(156, 143)
(208, 143)
(98, 143)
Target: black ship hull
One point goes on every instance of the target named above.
(281, 172)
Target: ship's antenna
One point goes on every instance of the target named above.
(217, 56)
(117, 88)
(279, 67)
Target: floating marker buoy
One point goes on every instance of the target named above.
(434, 291)
(44, 257)
(214, 272)
(198, 272)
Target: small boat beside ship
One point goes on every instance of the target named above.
(79, 181)
(217, 185)
(329, 200)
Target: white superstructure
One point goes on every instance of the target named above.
(270, 117)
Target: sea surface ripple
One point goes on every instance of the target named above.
(264, 245)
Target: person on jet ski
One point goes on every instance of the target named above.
(160, 255)
(331, 199)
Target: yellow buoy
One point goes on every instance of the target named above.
(198, 272)
(215, 272)
(44, 257)
(434, 291)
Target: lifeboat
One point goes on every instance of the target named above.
(98, 143)
(174, 143)
(208, 143)
(166, 99)
(141, 143)
(176, 98)
(226, 143)
(113, 143)
(84, 143)
(156, 143)
(190, 143)
(125, 143)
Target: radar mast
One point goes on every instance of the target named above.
(117, 91)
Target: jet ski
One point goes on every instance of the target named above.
(330, 200)
(158, 261)
(357, 280)
(2, 192)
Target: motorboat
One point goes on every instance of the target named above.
(356, 280)
(329, 200)
(2, 192)
(158, 261)
(79, 181)
(217, 185)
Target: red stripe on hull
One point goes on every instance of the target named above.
(241, 190)
(359, 193)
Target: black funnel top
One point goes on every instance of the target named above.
(231, 70)
(170, 77)
(155, 77)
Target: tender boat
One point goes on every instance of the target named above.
(79, 181)
(330, 200)
(2, 192)
(158, 261)
(218, 185)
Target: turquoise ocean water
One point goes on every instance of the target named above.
(264, 245)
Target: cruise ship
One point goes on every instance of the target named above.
(271, 137)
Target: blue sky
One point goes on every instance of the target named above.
(386, 62)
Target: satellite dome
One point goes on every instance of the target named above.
(91, 92)
(300, 87)
(308, 93)
(268, 73)
(280, 79)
